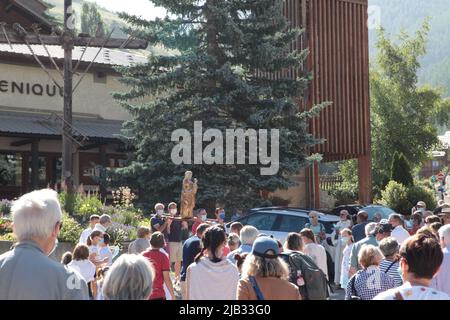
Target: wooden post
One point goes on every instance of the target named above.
(104, 164)
(67, 161)
(316, 185)
(34, 164)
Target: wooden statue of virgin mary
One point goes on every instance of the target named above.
(188, 192)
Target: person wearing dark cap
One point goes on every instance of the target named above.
(265, 275)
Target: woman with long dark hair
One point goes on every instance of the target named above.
(211, 276)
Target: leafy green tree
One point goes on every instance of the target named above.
(213, 78)
(92, 21)
(401, 171)
(404, 114)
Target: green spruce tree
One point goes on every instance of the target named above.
(220, 74)
(400, 170)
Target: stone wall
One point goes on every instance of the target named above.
(57, 255)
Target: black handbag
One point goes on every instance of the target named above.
(354, 295)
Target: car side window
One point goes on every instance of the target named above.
(262, 221)
(292, 223)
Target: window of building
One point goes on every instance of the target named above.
(11, 170)
(42, 172)
(100, 77)
(435, 164)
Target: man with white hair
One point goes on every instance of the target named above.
(441, 280)
(248, 236)
(103, 223)
(26, 272)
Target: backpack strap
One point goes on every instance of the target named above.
(389, 268)
(258, 292)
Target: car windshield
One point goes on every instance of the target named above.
(383, 211)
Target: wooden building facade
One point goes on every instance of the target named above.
(337, 38)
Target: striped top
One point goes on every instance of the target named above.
(393, 271)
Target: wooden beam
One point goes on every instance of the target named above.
(22, 142)
(91, 146)
(34, 164)
(78, 41)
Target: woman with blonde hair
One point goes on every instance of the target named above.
(367, 283)
(265, 275)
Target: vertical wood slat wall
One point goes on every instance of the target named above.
(337, 37)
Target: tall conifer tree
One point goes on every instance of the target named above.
(217, 74)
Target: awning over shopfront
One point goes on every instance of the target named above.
(48, 125)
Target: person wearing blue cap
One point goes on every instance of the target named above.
(265, 275)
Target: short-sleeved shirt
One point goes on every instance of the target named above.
(359, 231)
(85, 235)
(174, 235)
(156, 220)
(160, 263)
(191, 248)
(408, 292)
(391, 269)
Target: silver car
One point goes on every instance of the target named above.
(278, 222)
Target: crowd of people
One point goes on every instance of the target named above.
(371, 260)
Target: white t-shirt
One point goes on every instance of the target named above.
(408, 292)
(85, 268)
(400, 234)
(318, 254)
(85, 235)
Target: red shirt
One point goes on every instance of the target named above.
(160, 263)
(195, 226)
(226, 251)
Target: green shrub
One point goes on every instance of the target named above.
(89, 205)
(395, 196)
(7, 237)
(344, 195)
(422, 193)
(70, 231)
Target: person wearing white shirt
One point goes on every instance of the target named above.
(441, 280)
(347, 241)
(93, 220)
(81, 264)
(314, 250)
(344, 223)
(104, 251)
(421, 259)
(398, 233)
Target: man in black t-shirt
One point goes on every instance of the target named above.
(175, 239)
